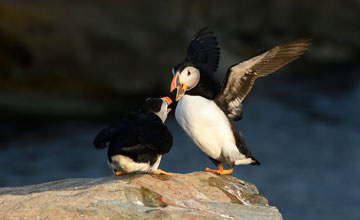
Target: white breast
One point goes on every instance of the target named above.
(208, 127)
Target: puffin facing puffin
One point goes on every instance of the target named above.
(138, 141)
(206, 110)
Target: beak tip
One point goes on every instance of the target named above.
(167, 99)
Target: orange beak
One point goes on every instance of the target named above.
(175, 82)
(168, 100)
(181, 87)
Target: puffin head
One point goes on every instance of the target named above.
(186, 77)
(158, 106)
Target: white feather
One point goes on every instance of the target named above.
(121, 162)
(162, 114)
(244, 161)
(208, 127)
(192, 79)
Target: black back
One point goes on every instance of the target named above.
(140, 136)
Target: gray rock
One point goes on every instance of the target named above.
(196, 195)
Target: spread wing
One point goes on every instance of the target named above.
(203, 50)
(240, 77)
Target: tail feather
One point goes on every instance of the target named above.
(102, 138)
(255, 161)
(248, 160)
(249, 154)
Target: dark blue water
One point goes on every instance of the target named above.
(310, 155)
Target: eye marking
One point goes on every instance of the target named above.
(188, 73)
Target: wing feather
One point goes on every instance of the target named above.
(203, 50)
(106, 134)
(154, 136)
(241, 77)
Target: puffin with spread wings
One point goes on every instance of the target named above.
(206, 110)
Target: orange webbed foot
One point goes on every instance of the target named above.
(118, 173)
(220, 170)
(158, 172)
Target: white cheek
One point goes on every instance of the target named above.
(193, 81)
(190, 80)
(163, 112)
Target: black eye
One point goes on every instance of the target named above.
(188, 73)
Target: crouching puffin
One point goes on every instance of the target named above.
(206, 110)
(138, 141)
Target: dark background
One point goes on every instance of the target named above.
(68, 68)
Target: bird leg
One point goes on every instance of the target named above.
(158, 172)
(220, 170)
(118, 173)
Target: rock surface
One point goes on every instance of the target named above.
(197, 195)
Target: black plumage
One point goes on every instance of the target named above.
(203, 51)
(140, 135)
